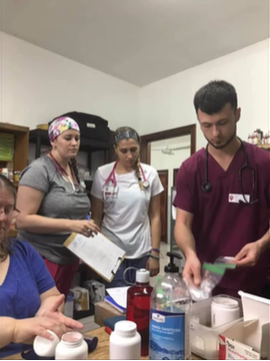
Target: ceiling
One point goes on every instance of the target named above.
(139, 41)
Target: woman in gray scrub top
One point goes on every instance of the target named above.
(53, 204)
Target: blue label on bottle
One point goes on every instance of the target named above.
(167, 336)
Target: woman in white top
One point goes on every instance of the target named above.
(126, 204)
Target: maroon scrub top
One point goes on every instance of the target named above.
(221, 228)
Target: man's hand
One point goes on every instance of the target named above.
(192, 270)
(249, 254)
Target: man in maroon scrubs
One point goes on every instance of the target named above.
(223, 197)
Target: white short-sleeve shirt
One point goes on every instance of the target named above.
(126, 221)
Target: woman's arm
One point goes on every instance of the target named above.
(28, 202)
(7, 326)
(96, 210)
(24, 331)
(154, 216)
(51, 300)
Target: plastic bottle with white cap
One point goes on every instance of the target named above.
(71, 347)
(224, 309)
(170, 315)
(125, 341)
(138, 307)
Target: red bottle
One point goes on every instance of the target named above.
(138, 307)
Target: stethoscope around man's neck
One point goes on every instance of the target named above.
(111, 177)
(206, 186)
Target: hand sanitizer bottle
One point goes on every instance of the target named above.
(169, 316)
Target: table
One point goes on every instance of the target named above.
(102, 350)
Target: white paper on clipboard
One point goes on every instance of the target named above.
(98, 252)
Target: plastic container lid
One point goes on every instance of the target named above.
(44, 347)
(125, 328)
(225, 301)
(142, 275)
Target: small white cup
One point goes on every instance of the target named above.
(44, 347)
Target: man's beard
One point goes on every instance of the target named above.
(225, 144)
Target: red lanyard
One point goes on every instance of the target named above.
(111, 177)
(61, 170)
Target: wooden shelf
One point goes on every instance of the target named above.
(21, 135)
(40, 137)
(12, 233)
(264, 146)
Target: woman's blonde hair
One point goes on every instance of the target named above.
(130, 133)
(5, 184)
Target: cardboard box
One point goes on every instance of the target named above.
(96, 290)
(204, 339)
(249, 339)
(81, 298)
(104, 310)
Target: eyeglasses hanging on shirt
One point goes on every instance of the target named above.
(247, 199)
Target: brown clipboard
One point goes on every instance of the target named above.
(87, 257)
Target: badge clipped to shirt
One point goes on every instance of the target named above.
(236, 198)
(110, 193)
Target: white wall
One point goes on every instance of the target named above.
(168, 103)
(161, 161)
(38, 85)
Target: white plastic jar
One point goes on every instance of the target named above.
(71, 347)
(125, 341)
(224, 309)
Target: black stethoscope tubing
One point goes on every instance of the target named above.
(206, 186)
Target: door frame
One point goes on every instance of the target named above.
(146, 140)
(166, 205)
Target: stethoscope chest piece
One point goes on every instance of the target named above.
(206, 187)
(145, 184)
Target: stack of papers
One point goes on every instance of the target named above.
(117, 298)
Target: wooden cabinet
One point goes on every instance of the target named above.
(19, 162)
(21, 135)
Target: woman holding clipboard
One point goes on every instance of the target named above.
(127, 194)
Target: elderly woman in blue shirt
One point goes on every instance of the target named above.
(30, 304)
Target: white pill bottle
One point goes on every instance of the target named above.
(125, 341)
(224, 309)
(71, 347)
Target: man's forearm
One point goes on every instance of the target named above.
(184, 239)
(264, 242)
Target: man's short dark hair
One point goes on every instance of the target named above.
(212, 97)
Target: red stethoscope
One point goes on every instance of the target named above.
(111, 177)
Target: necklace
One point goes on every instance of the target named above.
(62, 171)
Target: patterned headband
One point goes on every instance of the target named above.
(125, 134)
(60, 125)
